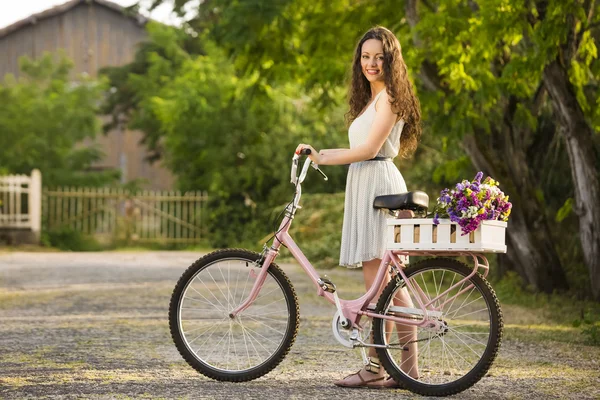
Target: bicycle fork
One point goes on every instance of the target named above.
(267, 257)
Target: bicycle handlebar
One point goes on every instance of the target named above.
(294, 178)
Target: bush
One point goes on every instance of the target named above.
(590, 328)
(317, 228)
(69, 239)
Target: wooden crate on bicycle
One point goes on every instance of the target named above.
(422, 234)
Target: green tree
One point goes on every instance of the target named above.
(502, 81)
(518, 62)
(231, 134)
(43, 120)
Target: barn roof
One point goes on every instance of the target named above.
(64, 8)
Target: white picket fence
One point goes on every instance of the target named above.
(105, 213)
(21, 202)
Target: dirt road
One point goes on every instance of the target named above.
(94, 325)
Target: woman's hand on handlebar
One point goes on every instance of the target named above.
(314, 155)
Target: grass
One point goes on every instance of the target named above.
(30, 248)
(202, 247)
(557, 310)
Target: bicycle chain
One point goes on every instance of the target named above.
(437, 335)
(416, 341)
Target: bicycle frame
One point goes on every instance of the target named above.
(353, 310)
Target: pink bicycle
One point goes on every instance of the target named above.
(234, 313)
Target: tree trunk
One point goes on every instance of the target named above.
(528, 234)
(583, 158)
(503, 156)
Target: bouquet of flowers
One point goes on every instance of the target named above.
(469, 203)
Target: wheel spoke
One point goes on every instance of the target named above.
(267, 326)
(218, 287)
(469, 313)
(213, 295)
(209, 302)
(462, 305)
(250, 337)
(209, 328)
(467, 336)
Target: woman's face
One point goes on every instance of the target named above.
(371, 60)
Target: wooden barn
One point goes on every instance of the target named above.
(94, 34)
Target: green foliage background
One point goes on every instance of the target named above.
(42, 118)
(225, 99)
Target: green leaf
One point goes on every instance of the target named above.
(565, 210)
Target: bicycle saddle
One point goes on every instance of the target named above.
(415, 201)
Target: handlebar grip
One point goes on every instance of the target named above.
(305, 152)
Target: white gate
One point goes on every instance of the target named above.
(21, 202)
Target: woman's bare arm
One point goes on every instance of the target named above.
(329, 151)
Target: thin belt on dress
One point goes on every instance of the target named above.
(380, 159)
(377, 159)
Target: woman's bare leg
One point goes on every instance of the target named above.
(406, 333)
(370, 269)
(367, 373)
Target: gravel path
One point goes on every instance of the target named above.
(94, 325)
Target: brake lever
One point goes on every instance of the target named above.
(315, 166)
(306, 152)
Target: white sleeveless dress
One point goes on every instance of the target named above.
(364, 228)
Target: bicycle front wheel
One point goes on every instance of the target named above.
(461, 339)
(232, 349)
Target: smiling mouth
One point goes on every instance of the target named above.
(372, 71)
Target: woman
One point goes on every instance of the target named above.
(384, 120)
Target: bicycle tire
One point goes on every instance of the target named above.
(438, 379)
(201, 362)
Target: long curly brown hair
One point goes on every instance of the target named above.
(399, 88)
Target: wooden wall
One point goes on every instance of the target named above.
(93, 36)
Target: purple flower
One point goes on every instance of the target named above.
(454, 204)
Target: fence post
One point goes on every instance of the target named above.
(35, 203)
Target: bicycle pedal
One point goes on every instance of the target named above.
(326, 284)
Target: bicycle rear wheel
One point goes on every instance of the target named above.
(457, 353)
(232, 349)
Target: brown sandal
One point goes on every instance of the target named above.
(363, 382)
(388, 383)
(371, 368)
